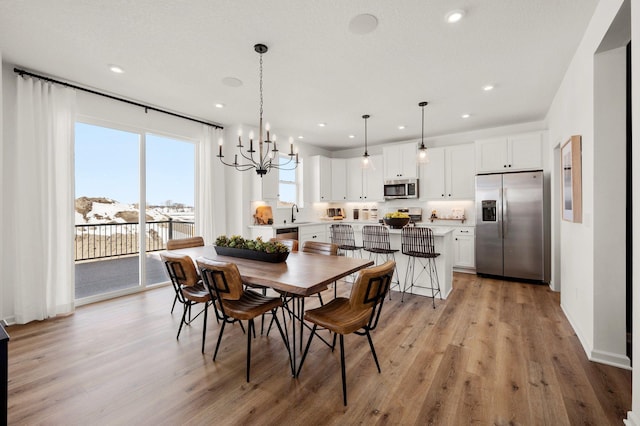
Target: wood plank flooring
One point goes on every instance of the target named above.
(495, 352)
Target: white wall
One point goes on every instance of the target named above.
(634, 415)
(9, 96)
(572, 113)
(609, 213)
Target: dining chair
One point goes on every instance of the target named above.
(290, 243)
(375, 239)
(176, 244)
(188, 287)
(235, 304)
(417, 243)
(357, 314)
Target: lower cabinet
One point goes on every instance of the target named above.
(464, 251)
(312, 233)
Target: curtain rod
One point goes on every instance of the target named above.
(146, 107)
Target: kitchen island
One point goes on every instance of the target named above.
(443, 240)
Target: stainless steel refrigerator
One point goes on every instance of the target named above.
(510, 225)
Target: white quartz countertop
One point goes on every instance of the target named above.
(438, 230)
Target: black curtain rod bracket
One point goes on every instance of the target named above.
(115, 98)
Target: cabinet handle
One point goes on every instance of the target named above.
(464, 231)
(442, 195)
(314, 236)
(449, 195)
(504, 165)
(509, 165)
(456, 239)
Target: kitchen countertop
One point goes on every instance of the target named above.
(438, 229)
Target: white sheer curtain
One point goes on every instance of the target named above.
(210, 187)
(38, 247)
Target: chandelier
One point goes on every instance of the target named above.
(267, 157)
(423, 155)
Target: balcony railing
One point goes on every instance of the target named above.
(98, 241)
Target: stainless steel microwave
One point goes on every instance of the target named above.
(400, 188)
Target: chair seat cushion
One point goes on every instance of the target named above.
(250, 305)
(196, 293)
(338, 316)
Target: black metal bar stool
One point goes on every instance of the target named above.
(417, 243)
(342, 235)
(375, 239)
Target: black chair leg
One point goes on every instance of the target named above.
(344, 373)
(304, 354)
(373, 351)
(175, 299)
(251, 327)
(285, 338)
(182, 321)
(215, 354)
(204, 325)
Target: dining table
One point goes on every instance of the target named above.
(302, 274)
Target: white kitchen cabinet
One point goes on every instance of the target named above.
(464, 251)
(449, 174)
(364, 184)
(312, 233)
(321, 178)
(338, 179)
(510, 153)
(400, 161)
(270, 185)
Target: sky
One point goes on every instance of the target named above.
(107, 165)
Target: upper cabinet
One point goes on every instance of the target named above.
(321, 178)
(364, 184)
(518, 152)
(338, 179)
(400, 161)
(449, 174)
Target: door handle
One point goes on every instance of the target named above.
(505, 212)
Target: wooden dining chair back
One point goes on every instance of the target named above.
(319, 247)
(185, 243)
(358, 314)
(291, 244)
(224, 282)
(188, 288)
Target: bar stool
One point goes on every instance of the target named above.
(375, 239)
(417, 243)
(342, 235)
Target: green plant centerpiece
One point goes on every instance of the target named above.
(265, 251)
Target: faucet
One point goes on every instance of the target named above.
(293, 218)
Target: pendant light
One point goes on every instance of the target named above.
(365, 158)
(423, 155)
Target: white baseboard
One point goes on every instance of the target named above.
(632, 419)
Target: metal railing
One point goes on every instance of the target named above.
(96, 241)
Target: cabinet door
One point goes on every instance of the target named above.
(464, 248)
(321, 178)
(400, 161)
(525, 151)
(432, 182)
(372, 180)
(338, 179)
(392, 162)
(409, 165)
(354, 179)
(460, 172)
(270, 185)
(491, 155)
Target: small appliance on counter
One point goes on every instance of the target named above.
(335, 213)
(415, 214)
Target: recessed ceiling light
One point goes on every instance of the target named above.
(300, 137)
(116, 69)
(363, 24)
(401, 127)
(465, 115)
(352, 136)
(454, 16)
(232, 82)
(219, 105)
(322, 124)
(488, 87)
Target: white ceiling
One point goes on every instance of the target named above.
(176, 53)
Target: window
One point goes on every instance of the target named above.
(289, 184)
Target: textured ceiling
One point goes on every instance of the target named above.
(176, 53)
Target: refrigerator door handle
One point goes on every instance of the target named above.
(505, 213)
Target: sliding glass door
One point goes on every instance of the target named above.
(116, 241)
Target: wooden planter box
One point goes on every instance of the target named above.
(252, 254)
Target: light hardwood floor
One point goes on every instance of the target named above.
(494, 352)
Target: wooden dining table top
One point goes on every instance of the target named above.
(302, 273)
